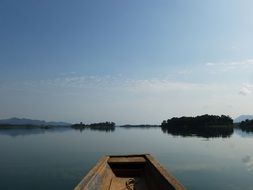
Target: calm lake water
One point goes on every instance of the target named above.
(59, 158)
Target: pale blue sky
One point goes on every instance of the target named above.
(125, 61)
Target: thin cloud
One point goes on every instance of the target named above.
(80, 81)
(246, 89)
(210, 64)
(184, 72)
(155, 85)
(248, 62)
(159, 85)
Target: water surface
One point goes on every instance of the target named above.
(59, 158)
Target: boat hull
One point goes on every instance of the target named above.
(129, 172)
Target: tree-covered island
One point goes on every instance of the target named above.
(103, 126)
(204, 125)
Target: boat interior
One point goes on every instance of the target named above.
(136, 172)
(128, 173)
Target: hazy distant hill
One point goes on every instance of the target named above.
(242, 118)
(25, 121)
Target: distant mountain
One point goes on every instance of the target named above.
(243, 118)
(25, 121)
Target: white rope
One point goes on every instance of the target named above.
(130, 183)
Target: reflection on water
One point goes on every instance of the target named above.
(206, 133)
(223, 132)
(107, 129)
(58, 158)
(242, 133)
(248, 161)
(247, 129)
(32, 131)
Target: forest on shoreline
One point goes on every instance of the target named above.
(203, 125)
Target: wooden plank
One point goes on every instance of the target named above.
(92, 174)
(165, 174)
(126, 159)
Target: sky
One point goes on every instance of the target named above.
(131, 61)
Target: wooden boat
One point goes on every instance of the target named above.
(128, 172)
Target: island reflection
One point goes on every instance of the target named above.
(21, 131)
(207, 126)
(206, 132)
